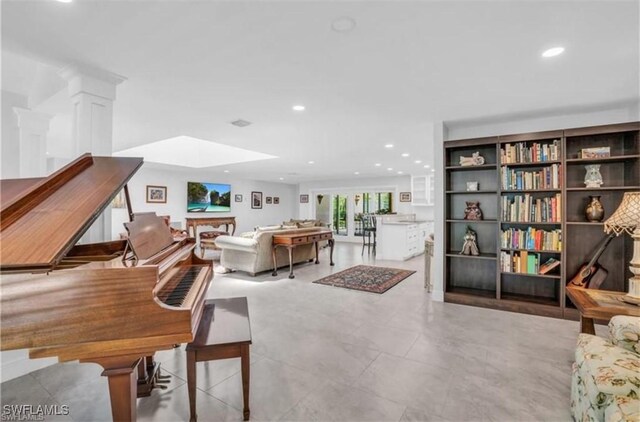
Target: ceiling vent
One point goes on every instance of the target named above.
(241, 123)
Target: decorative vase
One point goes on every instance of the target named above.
(472, 211)
(593, 178)
(594, 210)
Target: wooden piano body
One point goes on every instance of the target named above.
(92, 302)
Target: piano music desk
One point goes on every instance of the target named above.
(224, 333)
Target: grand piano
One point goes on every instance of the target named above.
(113, 303)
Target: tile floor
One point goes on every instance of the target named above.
(328, 354)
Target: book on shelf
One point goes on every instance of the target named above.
(537, 152)
(549, 265)
(527, 209)
(546, 178)
(532, 239)
(520, 262)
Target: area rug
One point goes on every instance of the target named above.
(367, 278)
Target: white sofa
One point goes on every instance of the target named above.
(251, 252)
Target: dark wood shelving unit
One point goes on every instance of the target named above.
(481, 281)
(481, 256)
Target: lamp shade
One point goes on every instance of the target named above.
(627, 216)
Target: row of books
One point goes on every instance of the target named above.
(535, 153)
(526, 263)
(531, 238)
(527, 209)
(547, 178)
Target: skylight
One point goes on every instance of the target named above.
(191, 152)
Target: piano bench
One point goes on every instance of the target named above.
(208, 240)
(224, 332)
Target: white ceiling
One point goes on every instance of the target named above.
(193, 67)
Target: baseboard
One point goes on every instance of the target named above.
(437, 295)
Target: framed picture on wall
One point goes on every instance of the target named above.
(276, 200)
(304, 199)
(405, 196)
(238, 198)
(269, 200)
(256, 200)
(157, 194)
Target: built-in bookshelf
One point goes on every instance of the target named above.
(534, 235)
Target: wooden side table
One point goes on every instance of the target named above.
(291, 241)
(599, 304)
(224, 333)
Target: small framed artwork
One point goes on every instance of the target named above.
(405, 196)
(276, 200)
(238, 198)
(269, 200)
(304, 199)
(157, 194)
(256, 200)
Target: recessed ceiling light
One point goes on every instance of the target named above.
(388, 146)
(282, 178)
(356, 172)
(298, 107)
(406, 154)
(343, 24)
(399, 172)
(389, 168)
(311, 162)
(552, 52)
(418, 161)
(64, 1)
(433, 169)
(426, 166)
(226, 171)
(378, 164)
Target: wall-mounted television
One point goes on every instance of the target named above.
(208, 197)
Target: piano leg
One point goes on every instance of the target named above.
(123, 388)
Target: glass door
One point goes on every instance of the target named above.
(339, 214)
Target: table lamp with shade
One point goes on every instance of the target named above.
(627, 219)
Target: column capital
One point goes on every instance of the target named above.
(34, 121)
(83, 79)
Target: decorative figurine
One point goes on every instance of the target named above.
(472, 186)
(470, 247)
(472, 211)
(594, 211)
(593, 178)
(475, 160)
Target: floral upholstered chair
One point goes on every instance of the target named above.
(606, 374)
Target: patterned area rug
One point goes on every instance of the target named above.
(366, 278)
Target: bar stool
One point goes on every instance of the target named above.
(369, 230)
(224, 332)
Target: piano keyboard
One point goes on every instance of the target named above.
(176, 290)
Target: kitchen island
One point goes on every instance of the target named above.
(402, 239)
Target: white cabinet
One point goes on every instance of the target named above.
(422, 190)
(400, 241)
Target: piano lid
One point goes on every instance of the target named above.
(41, 219)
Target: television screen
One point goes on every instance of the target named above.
(208, 197)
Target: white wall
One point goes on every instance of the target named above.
(395, 184)
(176, 206)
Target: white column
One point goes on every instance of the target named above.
(33, 127)
(92, 92)
(439, 135)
